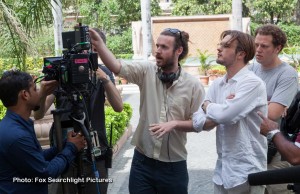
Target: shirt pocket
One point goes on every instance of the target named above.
(177, 107)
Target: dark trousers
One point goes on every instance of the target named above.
(87, 187)
(150, 176)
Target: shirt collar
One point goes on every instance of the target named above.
(236, 77)
(17, 117)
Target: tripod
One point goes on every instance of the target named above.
(80, 123)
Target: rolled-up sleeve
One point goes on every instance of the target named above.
(199, 119)
(250, 95)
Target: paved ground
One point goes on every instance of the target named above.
(201, 155)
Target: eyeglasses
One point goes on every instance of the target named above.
(174, 31)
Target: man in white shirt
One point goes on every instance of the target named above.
(231, 105)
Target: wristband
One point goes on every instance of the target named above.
(105, 80)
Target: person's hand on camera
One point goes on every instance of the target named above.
(47, 87)
(101, 74)
(95, 37)
(267, 125)
(77, 139)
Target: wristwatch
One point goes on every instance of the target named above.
(105, 80)
(203, 106)
(271, 134)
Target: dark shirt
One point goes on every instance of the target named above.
(97, 109)
(21, 156)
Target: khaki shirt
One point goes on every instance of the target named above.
(159, 104)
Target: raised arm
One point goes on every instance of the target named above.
(105, 54)
(46, 98)
(112, 94)
(287, 149)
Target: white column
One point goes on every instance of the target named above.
(236, 23)
(58, 22)
(146, 28)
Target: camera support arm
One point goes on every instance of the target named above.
(90, 145)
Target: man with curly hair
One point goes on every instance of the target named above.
(281, 83)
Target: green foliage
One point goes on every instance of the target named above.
(292, 33)
(203, 57)
(261, 11)
(33, 65)
(270, 11)
(114, 15)
(124, 56)
(217, 70)
(127, 108)
(186, 7)
(44, 42)
(121, 43)
(2, 110)
(118, 121)
(293, 52)
(253, 27)
(20, 20)
(196, 7)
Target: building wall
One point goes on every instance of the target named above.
(204, 31)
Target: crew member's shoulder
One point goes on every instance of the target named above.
(144, 63)
(188, 77)
(252, 78)
(190, 80)
(254, 66)
(11, 131)
(286, 68)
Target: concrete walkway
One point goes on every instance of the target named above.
(201, 155)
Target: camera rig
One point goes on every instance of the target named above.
(73, 69)
(75, 73)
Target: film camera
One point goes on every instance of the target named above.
(75, 72)
(72, 70)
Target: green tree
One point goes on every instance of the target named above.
(20, 20)
(272, 11)
(114, 15)
(298, 12)
(203, 7)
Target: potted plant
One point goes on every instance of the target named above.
(205, 65)
(216, 71)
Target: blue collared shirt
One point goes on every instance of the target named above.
(23, 163)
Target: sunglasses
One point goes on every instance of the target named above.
(174, 31)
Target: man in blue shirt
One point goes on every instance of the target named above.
(24, 166)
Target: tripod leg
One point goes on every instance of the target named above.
(80, 173)
(59, 141)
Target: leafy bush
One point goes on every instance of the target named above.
(124, 56)
(292, 33)
(117, 121)
(127, 108)
(2, 110)
(120, 43)
(33, 65)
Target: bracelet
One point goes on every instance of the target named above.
(202, 106)
(105, 80)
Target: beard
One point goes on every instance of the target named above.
(168, 64)
(219, 61)
(36, 108)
